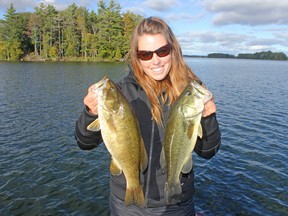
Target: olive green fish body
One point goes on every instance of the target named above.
(121, 135)
(182, 129)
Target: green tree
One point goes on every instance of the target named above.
(92, 37)
(58, 25)
(82, 29)
(263, 55)
(12, 33)
(3, 46)
(110, 30)
(49, 31)
(71, 37)
(45, 32)
(130, 21)
(53, 52)
(24, 39)
(73, 33)
(3, 50)
(220, 55)
(33, 31)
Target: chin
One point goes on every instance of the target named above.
(158, 78)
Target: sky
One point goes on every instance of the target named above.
(202, 26)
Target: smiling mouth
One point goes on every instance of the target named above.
(158, 69)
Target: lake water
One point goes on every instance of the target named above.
(43, 172)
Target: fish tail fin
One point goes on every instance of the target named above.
(135, 196)
(172, 193)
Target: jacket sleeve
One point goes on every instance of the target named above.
(86, 139)
(209, 144)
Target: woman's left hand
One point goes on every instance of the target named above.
(209, 108)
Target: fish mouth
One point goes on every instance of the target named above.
(100, 85)
(199, 88)
(192, 111)
(202, 91)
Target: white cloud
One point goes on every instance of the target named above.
(19, 5)
(160, 5)
(247, 12)
(232, 43)
(136, 10)
(29, 5)
(184, 16)
(198, 15)
(48, 1)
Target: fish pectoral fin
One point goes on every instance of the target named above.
(163, 163)
(187, 166)
(144, 158)
(200, 131)
(94, 126)
(190, 129)
(115, 168)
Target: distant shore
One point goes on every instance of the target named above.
(258, 55)
(280, 56)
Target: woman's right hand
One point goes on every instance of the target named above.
(91, 100)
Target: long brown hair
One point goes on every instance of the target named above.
(179, 76)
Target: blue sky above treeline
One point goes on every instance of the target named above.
(202, 26)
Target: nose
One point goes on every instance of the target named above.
(155, 59)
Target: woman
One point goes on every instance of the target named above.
(159, 75)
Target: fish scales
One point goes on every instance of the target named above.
(182, 129)
(121, 135)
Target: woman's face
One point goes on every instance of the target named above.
(157, 67)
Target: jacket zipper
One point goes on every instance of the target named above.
(149, 163)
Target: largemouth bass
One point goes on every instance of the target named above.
(121, 135)
(182, 129)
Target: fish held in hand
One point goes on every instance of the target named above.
(121, 135)
(182, 129)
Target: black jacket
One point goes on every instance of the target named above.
(205, 147)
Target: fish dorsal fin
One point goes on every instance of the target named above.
(94, 126)
(200, 131)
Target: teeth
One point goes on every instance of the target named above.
(157, 69)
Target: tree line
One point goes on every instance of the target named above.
(71, 34)
(258, 55)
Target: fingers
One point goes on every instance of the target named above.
(209, 108)
(91, 100)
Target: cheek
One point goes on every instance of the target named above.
(168, 62)
(144, 65)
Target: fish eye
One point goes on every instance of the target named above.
(112, 88)
(188, 93)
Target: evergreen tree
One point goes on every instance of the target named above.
(71, 37)
(93, 34)
(58, 26)
(33, 31)
(12, 33)
(71, 33)
(82, 27)
(110, 34)
(130, 21)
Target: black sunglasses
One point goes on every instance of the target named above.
(161, 52)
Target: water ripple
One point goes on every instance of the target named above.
(43, 172)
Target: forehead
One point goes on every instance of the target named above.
(151, 41)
